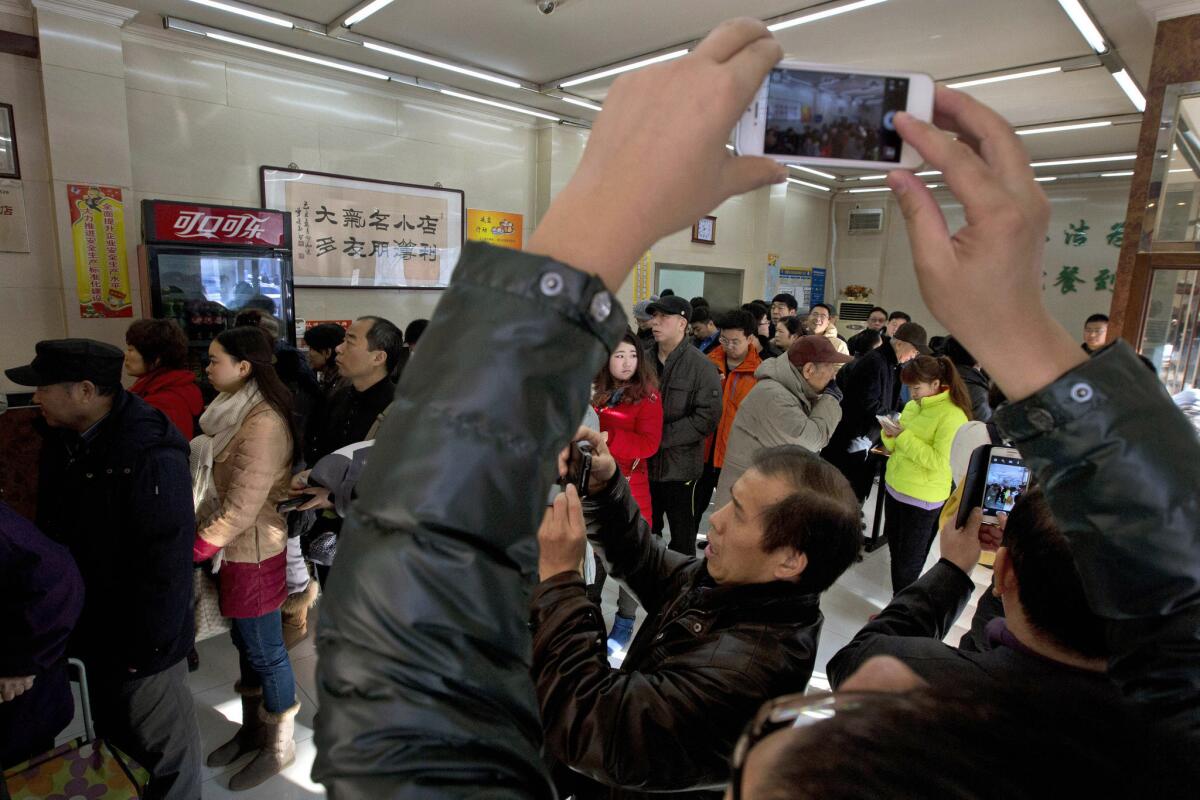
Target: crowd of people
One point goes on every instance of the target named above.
(840, 138)
(462, 649)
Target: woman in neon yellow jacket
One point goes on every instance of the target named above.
(918, 472)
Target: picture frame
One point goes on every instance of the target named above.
(10, 163)
(705, 231)
(350, 232)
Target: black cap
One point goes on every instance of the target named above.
(671, 305)
(70, 361)
(914, 334)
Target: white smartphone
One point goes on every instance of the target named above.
(832, 116)
(1005, 482)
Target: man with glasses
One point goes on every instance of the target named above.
(820, 322)
(736, 361)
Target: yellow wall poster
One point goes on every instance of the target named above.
(495, 227)
(101, 264)
(641, 278)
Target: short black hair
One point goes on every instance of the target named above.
(821, 517)
(700, 314)
(161, 343)
(825, 306)
(737, 320)
(864, 342)
(262, 303)
(1051, 590)
(1096, 318)
(954, 350)
(757, 310)
(385, 336)
(667, 293)
(325, 336)
(698, 301)
(899, 315)
(788, 300)
(794, 326)
(258, 318)
(414, 330)
(880, 309)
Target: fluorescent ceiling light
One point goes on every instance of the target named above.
(498, 104)
(872, 177)
(1075, 126)
(645, 62)
(1083, 22)
(364, 12)
(872, 189)
(933, 186)
(576, 102)
(1012, 76)
(1122, 174)
(433, 62)
(1090, 160)
(1130, 88)
(809, 185)
(1045, 180)
(804, 19)
(812, 171)
(730, 148)
(1185, 169)
(245, 12)
(927, 173)
(296, 54)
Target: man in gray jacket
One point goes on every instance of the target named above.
(792, 403)
(691, 399)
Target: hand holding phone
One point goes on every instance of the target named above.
(292, 503)
(834, 116)
(579, 467)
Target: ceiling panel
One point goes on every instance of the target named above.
(1065, 95)
(1093, 141)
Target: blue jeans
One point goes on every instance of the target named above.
(264, 660)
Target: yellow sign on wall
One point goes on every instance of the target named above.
(101, 264)
(495, 227)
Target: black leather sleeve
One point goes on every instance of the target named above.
(632, 554)
(1121, 469)
(424, 677)
(922, 611)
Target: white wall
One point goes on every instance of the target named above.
(884, 261)
(201, 125)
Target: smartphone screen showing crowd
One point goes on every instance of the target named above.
(1006, 481)
(814, 114)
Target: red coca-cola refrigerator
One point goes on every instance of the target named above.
(202, 264)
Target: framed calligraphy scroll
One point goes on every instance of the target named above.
(363, 233)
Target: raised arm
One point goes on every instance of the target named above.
(425, 649)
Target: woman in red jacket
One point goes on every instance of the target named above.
(626, 397)
(156, 353)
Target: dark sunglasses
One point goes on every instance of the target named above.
(788, 711)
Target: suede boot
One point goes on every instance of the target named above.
(295, 615)
(276, 755)
(250, 737)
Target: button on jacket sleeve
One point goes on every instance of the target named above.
(425, 646)
(1120, 466)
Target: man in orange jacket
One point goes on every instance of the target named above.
(736, 360)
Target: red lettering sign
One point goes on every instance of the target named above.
(220, 225)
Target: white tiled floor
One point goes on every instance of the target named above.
(862, 591)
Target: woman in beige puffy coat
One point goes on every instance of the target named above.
(241, 466)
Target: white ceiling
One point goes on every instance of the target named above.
(946, 38)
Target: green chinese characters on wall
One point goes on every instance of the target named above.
(1071, 277)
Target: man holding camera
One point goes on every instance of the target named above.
(721, 632)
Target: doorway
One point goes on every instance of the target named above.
(722, 287)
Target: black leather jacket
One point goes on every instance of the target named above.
(425, 650)
(1121, 469)
(702, 663)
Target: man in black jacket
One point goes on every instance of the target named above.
(721, 632)
(690, 387)
(114, 487)
(1040, 633)
(870, 388)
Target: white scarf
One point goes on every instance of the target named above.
(219, 423)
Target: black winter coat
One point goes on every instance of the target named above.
(701, 664)
(977, 387)
(425, 645)
(690, 386)
(122, 503)
(870, 387)
(41, 597)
